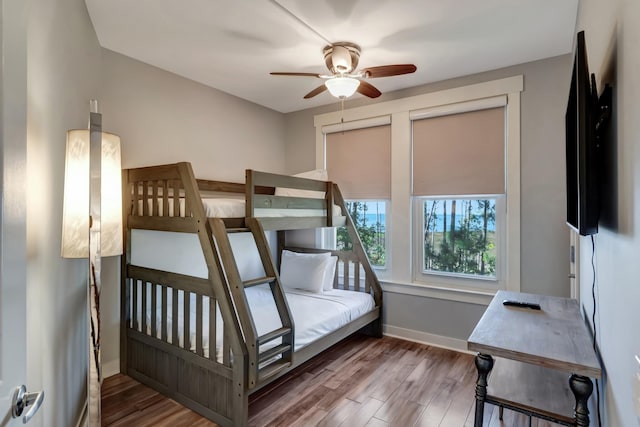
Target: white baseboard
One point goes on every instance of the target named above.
(426, 338)
(110, 368)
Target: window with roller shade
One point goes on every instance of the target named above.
(458, 189)
(359, 161)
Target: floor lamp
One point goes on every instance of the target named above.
(92, 224)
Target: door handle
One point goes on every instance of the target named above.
(22, 399)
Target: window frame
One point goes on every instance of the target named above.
(399, 276)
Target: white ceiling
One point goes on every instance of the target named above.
(232, 45)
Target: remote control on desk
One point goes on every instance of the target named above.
(521, 304)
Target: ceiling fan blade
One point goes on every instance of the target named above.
(388, 70)
(367, 89)
(295, 74)
(315, 92)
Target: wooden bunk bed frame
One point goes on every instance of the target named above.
(153, 355)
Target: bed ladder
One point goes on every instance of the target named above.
(262, 365)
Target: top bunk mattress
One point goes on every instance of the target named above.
(235, 208)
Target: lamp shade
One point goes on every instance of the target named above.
(342, 87)
(75, 216)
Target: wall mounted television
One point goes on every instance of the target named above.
(585, 114)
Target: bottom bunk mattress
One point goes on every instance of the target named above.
(314, 315)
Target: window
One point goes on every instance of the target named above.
(369, 218)
(359, 161)
(458, 236)
(475, 170)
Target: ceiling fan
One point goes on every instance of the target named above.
(342, 59)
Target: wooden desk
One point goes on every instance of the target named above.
(535, 352)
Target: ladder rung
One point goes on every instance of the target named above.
(238, 230)
(258, 281)
(270, 336)
(268, 354)
(271, 370)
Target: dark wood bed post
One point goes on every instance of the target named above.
(240, 352)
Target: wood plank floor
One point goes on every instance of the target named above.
(361, 381)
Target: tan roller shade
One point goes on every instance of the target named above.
(359, 161)
(459, 154)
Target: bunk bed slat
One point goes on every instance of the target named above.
(143, 311)
(186, 320)
(356, 276)
(154, 172)
(154, 200)
(212, 328)
(258, 281)
(345, 276)
(176, 198)
(269, 371)
(154, 306)
(272, 352)
(178, 225)
(270, 336)
(134, 305)
(135, 195)
(163, 334)
(174, 312)
(226, 348)
(165, 198)
(276, 202)
(193, 284)
(199, 349)
(145, 198)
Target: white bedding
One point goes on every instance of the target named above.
(314, 315)
(235, 208)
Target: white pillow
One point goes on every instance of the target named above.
(317, 174)
(329, 273)
(303, 271)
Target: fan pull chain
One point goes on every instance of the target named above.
(342, 114)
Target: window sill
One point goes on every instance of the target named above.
(480, 297)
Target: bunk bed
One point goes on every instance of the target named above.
(210, 337)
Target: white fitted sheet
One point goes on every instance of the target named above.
(314, 315)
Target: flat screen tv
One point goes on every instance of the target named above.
(582, 148)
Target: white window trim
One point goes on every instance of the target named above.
(400, 274)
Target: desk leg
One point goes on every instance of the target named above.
(484, 364)
(582, 387)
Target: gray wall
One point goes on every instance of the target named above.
(163, 118)
(612, 36)
(63, 74)
(544, 238)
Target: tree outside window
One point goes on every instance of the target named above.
(369, 218)
(459, 236)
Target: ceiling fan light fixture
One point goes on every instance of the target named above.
(342, 87)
